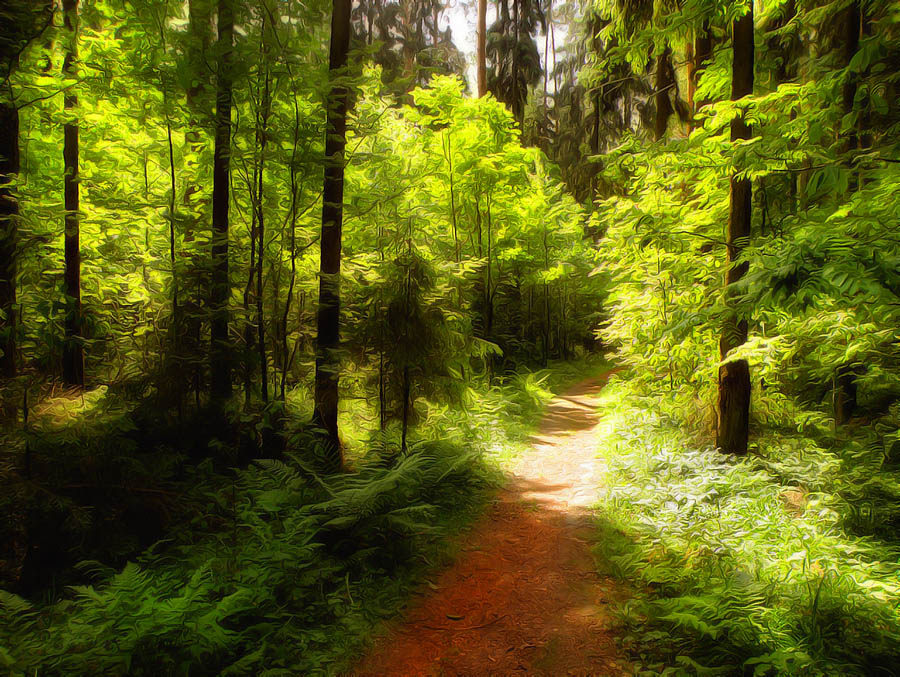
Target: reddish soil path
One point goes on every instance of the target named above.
(523, 596)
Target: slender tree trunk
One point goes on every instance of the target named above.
(734, 376)
(9, 236)
(626, 109)
(547, 58)
(480, 51)
(73, 355)
(701, 53)
(286, 354)
(690, 66)
(260, 318)
(845, 401)
(405, 416)
(200, 37)
(220, 287)
(328, 314)
(850, 44)
(518, 93)
(248, 335)
(489, 283)
(546, 299)
(595, 141)
(456, 252)
(552, 27)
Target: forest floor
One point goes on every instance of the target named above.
(523, 595)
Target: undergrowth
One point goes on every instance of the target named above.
(282, 572)
(786, 561)
(267, 567)
(502, 418)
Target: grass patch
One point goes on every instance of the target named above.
(760, 565)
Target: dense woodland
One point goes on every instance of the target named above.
(282, 287)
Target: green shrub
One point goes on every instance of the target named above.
(752, 565)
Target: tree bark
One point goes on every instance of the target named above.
(850, 45)
(220, 288)
(328, 313)
(665, 79)
(700, 53)
(518, 95)
(260, 318)
(9, 235)
(73, 353)
(845, 401)
(734, 376)
(480, 48)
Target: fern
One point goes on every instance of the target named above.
(727, 575)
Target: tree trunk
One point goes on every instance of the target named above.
(853, 29)
(734, 376)
(190, 326)
(700, 53)
(260, 318)
(405, 417)
(480, 48)
(518, 94)
(664, 81)
(73, 355)
(328, 314)
(595, 142)
(9, 236)
(220, 289)
(850, 42)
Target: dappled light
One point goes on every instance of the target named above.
(432, 337)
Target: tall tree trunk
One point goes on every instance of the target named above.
(200, 36)
(9, 235)
(328, 313)
(248, 335)
(850, 45)
(595, 141)
(734, 376)
(845, 400)
(73, 355)
(262, 138)
(456, 250)
(518, 95)
(480, 48)
(286, 354)
(220, 287)
(547, 60)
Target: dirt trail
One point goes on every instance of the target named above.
(523, 596)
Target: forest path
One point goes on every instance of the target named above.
(523, 596)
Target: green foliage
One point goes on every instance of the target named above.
(763, 565)
(281, 570)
